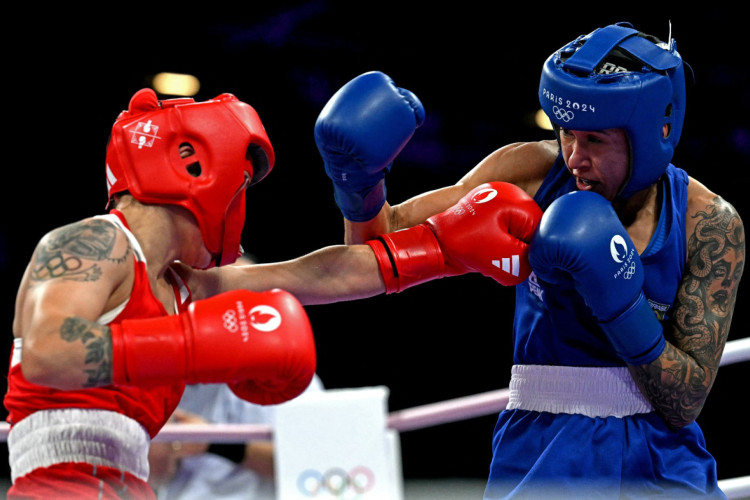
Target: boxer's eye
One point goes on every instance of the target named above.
(186, 150)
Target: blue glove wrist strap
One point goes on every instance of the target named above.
(636, 334)
(360, 206)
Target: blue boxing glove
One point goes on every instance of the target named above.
(581, 236)
(359, 132)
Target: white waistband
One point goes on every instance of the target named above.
(590, 391)
(96, 437)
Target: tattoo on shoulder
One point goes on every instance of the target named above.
(73, 252)
(98, 343)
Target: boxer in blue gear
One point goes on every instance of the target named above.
(615, 445)
(613, 360)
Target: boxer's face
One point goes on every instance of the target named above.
(598, 160)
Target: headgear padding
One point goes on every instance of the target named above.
(584, 87)
(232, 151)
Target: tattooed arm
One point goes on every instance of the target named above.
(678, 382)
(76, 273)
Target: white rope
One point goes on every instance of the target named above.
(736, 351)
(452, 410)
(214, 433)
(736, 488)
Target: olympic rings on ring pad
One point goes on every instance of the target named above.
(336, 481)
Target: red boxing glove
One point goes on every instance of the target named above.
(261, 344)
(487, 232)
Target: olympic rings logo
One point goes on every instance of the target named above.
(230, 320)
(630, 272)
(563, 114)
(336, 481)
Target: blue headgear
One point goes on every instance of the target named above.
(584, 86)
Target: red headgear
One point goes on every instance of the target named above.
(232, 151)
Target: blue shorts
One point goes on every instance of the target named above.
(548, 455)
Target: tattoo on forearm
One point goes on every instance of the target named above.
(97, 340)
(706, 299)
(680, 381)
(72, 252)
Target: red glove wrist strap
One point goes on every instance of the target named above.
(148, 351)
(408, 257)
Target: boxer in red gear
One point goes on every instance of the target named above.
(108, 330)
(116, 313)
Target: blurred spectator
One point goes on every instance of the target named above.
(184, 471)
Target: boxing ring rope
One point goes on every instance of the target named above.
(419, 417)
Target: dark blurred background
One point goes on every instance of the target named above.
(476, 68)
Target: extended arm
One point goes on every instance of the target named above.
(330, 274)
(487, 232)
(678, 382)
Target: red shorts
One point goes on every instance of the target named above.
(80, 481)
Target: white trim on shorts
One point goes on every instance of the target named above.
(97, 437)
(589, 391)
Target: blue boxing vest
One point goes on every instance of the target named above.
(555, 327)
